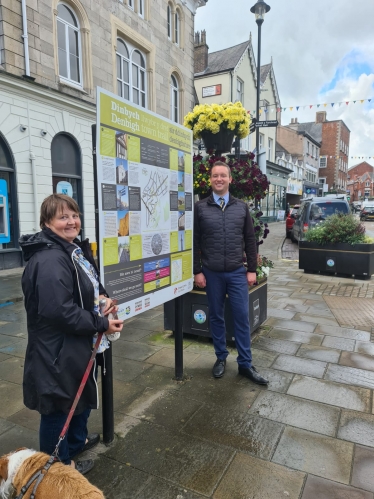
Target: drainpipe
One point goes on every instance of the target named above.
(35, 193)
(232, 77)
(25, 38)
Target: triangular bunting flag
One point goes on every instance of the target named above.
(310, 107)
(297, 108)
(291, 108)
(347, 103)
(318, 105)
(332, 104)
(369, 100)
(363, 100)
(354, 102)
(324, 105)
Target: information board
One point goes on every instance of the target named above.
(144, 178)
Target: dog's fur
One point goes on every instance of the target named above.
(61, 481)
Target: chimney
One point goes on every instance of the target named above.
(200, 52)
(321, 117)
(292, 121)
(296, 120)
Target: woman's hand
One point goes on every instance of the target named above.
(115, 326)
(110, 307)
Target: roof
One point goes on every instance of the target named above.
(264, 71)
(226, 59)
(313, 129)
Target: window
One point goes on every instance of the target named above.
(131, 4)
(323, 161)
(240, 90)
(270, 149)
(67, 165)
(261, 141)
(307, 146)
(174, 99)
(131, 73)
(69, 46)
(7, 174)
(169, 21)
(141, 8)
(176, 28)
(367, 184)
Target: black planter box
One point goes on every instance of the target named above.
(196, 312)
(340, 258)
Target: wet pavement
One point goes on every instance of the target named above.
(310, 434)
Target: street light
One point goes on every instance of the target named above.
(259, 9)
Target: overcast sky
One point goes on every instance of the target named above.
(323, 52)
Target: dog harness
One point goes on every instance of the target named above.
(37, 478)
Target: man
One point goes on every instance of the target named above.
(223, 231)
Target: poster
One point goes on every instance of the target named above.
(144, 178)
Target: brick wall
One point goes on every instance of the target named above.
(290, 140)
(201, 50)
(360, 169)
(333, 134)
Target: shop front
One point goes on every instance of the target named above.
(275, 199)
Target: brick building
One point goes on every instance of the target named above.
(361, 181)
(53, 55)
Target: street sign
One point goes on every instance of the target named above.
(263, 124)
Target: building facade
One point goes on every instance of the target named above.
(360, 183)
(53, 56)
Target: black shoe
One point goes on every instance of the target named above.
(252, 374)
(84, 466)
(92, 440)
(219, 368)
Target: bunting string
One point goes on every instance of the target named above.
(271, 108)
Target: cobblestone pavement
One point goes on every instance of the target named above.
(310, 434)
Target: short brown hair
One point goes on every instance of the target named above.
(53, 204)
(220, 163)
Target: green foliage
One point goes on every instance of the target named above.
(338, 228)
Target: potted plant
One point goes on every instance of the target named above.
(338, 245)
(217, 125)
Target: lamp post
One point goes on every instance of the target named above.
(259, 9)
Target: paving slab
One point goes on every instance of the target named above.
(252, 478)
(315, 319)
(296, 307)
(148, 324)
(3, 357)
(166, 357)
(321, 304)
(319, 312)
(190, 462)
(363, 466)
(274, 345)
(263, 358)
(124, 394)
(158, 377)
(319, 353)
(127, 370)
(350, 376)
(352, 334)
(280, 314)
(12, 370)
(11, 399)
(297, 412)
(296, 336)
(241, 431)
(338, 343)
(28, 419)
(310, 297)
(357, 427)
(320, 488)
(364, 347)
(17, 437)
(317, 454)
(294, 325)
(6, 340)
(357, 360)
(165, 490)
(5, 425)
(278, 381)
(14, 329)
(331, 393)
(134, 351)
(133, 334)
(226, 392)
(17, 348)
(298, 365)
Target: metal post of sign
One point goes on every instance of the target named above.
(107, 371)
(178, 334)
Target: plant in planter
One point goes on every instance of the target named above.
(263, 267)
(338, 245)
(218, 124)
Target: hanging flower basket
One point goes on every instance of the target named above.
(220, 142)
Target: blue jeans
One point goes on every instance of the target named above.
(75, 438)
(235, 284)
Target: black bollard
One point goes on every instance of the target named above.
(178, 332)
(107, 396)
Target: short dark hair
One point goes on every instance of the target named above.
(221, 163)
(56, 203)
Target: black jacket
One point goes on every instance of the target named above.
(222, 237)
(59, 300)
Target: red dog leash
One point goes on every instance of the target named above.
(78, 395)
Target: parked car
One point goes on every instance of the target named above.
(312, 211)
(367, 213)
(291, 217)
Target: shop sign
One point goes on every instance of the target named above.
(212, 90)
(294, 187)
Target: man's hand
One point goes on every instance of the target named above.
(200, 280)
(251, 278)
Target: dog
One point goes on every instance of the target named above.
(61, 481)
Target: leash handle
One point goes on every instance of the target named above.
(79, 393)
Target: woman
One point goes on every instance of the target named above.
(62, 293)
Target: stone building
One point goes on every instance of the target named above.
(53, 55)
